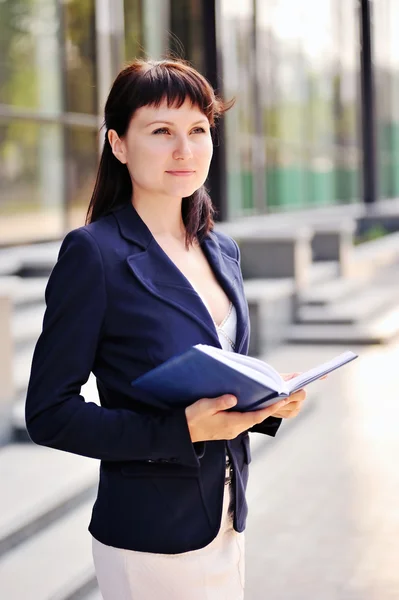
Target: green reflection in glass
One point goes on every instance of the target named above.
(236, 39)
(29, 54)
(187, 28)
(134, 42)
(31, 191)
(80, 56)
(82, 161)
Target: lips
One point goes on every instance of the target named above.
(182, 173)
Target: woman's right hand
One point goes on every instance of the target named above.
(207, 418)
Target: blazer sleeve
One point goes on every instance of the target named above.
(270, 425)
(56, 413)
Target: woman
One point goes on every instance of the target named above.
(144, 279)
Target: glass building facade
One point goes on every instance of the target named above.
(292, 140)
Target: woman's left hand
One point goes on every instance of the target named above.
(294, 402)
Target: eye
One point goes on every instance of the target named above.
(161, 129)
(200, 130)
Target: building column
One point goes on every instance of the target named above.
(368, 104)
(213, 72)
(110, 36)
(258, 141)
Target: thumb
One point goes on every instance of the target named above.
(224, 402)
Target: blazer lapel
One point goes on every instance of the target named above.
(152, 267)
(228, 273)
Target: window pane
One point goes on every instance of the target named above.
(146, 28)
(82, 160)
(31, 191)
(30, 75)
(134, 43)
(318, 45)
(283, 90)
(187, 28)
(236, 36)
(309, 94)
(80, 56)
(386, 44)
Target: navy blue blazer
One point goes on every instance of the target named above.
(117, 306)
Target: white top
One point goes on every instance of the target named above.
(227, 330)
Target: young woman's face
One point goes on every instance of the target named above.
(168, 150)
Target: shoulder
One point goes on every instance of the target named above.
(227, 244)
(92, 237)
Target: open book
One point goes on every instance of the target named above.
(207, 372)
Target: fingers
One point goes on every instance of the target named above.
(257, 416)
(289, 411)
(298, 396)
(288, 376)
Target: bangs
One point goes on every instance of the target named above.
(151, 83)
(165, 80)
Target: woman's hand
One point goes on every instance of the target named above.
(207, 418)
(294, 402)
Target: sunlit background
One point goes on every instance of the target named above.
(291, 172)
(292, 140)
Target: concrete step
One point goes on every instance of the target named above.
(55, 564)
(27, 323)
(95, 595)
(21, 368)
(24, 291)
(88, 391)
(323, 271)
(378, 330)
(268, 289)
(42, 484)
(28, 259)
(351, 310)
(330, 291)
(9, 262)
(371, 256)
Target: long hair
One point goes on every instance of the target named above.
(149, 83)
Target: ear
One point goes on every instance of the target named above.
(117, 145)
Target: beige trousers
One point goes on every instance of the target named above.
(215, 572)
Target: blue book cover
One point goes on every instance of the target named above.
(208, 372)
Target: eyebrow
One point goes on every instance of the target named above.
(171, 122)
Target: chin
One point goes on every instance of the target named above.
(184, 190)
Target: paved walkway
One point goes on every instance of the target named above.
(324, 494)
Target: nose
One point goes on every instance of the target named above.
(182, 149)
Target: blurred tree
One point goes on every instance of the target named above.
(18, 85)
(80, 55)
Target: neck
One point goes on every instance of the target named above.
(161, 215)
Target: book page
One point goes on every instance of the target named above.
(317, 372)
(252, 367)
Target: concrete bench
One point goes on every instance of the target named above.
(329, 240)
(275, 254)
(271, 306)
(333, 241)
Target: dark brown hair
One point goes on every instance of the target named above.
(149, 83)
